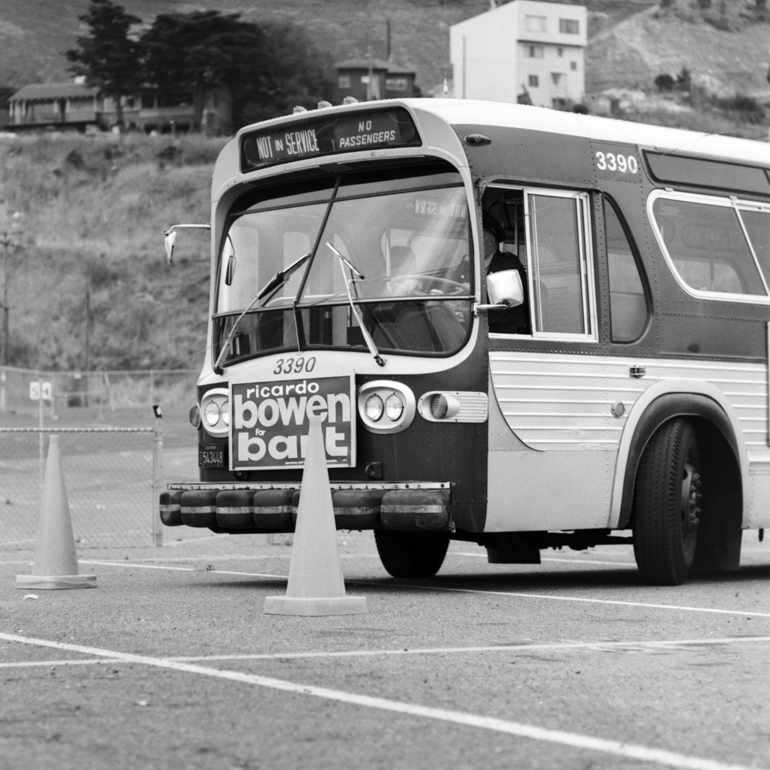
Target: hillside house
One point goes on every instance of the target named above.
(75, 106)
(59, 105)
(525, 51)
(367, 79)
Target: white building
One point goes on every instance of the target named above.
(522, 51)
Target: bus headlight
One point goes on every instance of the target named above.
(394, 407)
(373, 408)
(386, 406)
(215, 410)
(211, 414)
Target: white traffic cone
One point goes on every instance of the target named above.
(56, 563)
(316, 585)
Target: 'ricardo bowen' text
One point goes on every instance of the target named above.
(270, 422)
(361, 140)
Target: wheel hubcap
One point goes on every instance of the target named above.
(691, 497)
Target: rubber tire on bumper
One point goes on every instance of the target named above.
(411, 554)
(667, 504)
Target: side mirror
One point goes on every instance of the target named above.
(170, 242)
(170, 239)
(505, 288)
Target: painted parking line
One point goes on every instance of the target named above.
(556, 647)
(582, 599)
(576, 560)
(532, 732)
(431, 587)
(93, 562)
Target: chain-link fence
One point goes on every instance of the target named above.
(112, 477)
(26, 391)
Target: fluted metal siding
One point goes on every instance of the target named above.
(556, 401)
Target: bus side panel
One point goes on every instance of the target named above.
(536, 491)
(759, 493)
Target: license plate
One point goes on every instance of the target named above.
(211, 456)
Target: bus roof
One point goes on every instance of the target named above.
(478, 114)
(674, 140)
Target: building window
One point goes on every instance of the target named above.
(533, 81)
(560, 51)
(174, 100)
(396, 84)
(343, 81)
(569, 26)
(535, 23)
(573, 65)
(556, 78)
(536, 52)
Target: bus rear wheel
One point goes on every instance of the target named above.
(667, 504)
(411, 554)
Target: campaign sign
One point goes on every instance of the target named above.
(270, 422)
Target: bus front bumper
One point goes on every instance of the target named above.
(249, 508)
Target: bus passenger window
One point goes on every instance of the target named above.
(628, 305)
(758, 228)
(706, 245)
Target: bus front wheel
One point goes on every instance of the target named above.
(411, 554)
(667, 504)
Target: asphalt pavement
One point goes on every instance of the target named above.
(573, 664)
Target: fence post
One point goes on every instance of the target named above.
(41, 440)
(157, 477)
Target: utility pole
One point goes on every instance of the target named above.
(9, 245)
(6, 243)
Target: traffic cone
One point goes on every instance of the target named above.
(56, 563)
(316, 585)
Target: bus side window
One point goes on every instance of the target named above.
(629, 309)
(559, 268)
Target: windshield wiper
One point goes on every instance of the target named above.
(345, 262)
(269, 288)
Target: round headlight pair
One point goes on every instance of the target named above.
(392, 407)
(215, 411)
(386, 406)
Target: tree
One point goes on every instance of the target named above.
(202, 50)
(268, 68)
(296, 73)
(108, 56)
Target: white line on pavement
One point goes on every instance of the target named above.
(53, 663)
(516, 594)
(574, 740)
(576, 560)
(617, 602)
(178, 569)
(596, 646)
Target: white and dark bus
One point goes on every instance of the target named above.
(348, 282)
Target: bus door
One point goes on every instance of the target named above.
(556, 404)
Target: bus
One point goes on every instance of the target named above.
(349, 282)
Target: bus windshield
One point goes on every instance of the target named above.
(395, 244)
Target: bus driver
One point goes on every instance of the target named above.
(512, 320)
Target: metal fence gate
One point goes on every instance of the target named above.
(112, 477)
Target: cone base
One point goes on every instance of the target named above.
(52, 582)
(338, 605)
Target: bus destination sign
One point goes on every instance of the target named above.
(328, 135)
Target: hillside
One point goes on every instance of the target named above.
(34, 33)
(93, 216)
(731, 59)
